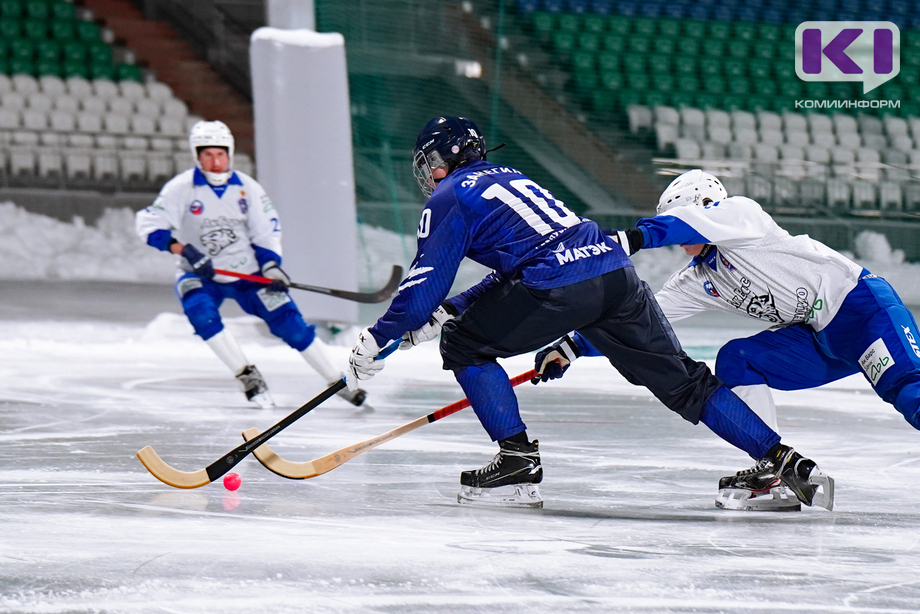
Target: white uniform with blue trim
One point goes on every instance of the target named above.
(756, 269)
(226, 227)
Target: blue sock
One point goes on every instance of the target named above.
(731, 419)
(492, 398)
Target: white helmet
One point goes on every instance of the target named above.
(212, 134)
(692, 188)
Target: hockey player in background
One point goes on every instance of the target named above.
(553, 272)
(830, 318)
(215, 217)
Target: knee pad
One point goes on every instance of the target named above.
(203, 314)
(290, 326)
(908, 403)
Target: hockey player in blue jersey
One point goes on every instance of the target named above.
(215, 217)
(552, 272)
(830, 317)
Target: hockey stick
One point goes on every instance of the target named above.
(310, 469)
(359, 297)
(196, 479)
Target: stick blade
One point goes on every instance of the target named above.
(169, 475)
(276, 464)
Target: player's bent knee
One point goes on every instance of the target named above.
(732, 366)
(457, 351)
(202, 314)
(293, 330)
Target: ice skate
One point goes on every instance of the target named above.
(355, 397)
(769, 483)
(255, 388)
(510, 480)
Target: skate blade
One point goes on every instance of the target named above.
(264, 401)
(777, 499)
(824, 496)
(515, 495)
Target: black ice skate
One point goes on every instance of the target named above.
(778, 482)
(255, 388)
(510, 480)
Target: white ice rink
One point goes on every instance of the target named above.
(89, 374)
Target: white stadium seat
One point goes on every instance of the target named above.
(158, 91)
(13, 100)
(80, 141)
(132, 90)
(175, 109)
(148, 108)
(133, 168)
(171, 127)
(94, 105)
(52, 86)
(25, 84)
(89, 122)
(40, 102)
(161, 144)
(34, 120)
(67, 103)
(62, 121)
(78, 87)
(143, 125)
(115, 124)
(244, 164)
(105, 167)
(135, 143)
(77, 165)
(121, 106)
(9, 119)
(105, 88)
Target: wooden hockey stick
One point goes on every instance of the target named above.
(310, 469)
(359, 297)
(196, 479)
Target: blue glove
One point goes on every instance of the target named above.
(552, 362)
(201, 264)
(280, 280)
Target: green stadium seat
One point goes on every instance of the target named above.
(656, 98)
(734, 68)
(713, 48)
(589, 41)
(719, 30)
(785, 50)
(639, 44)
(74, 52)
(47, 51)
(100, 53)
(787, 33)
(764, 50)
(744, 31)
(714, 85)
(584, 81)
(88, 31)
(659, 64)
(612, 80)
(46, 67)
(768, 32)
(544, 23)
(733, 102)
(909, 74)
(63, 11)
(841, 90)
(627, 98)
(618, 24)
(645, 26)
(594, 23)
(695, 28)
(637, 81)
(663, 83)
(35, 29)
(602, 100)
(21, 67)
(10, 28)
(684, 65)
(816, 89)
(764, 88)
(4, 66)
(608, 62)
(710, 66)
(563, 42)
(759, 69)
(614, 42)
(669, 28)
(11, 9)
(738, 49)
(22, 49)
(75, 69)
(583, 61)
(910, 39)
(663, 45)
(910, 57)
(63, 31)
(688, 83)
(634, 62)
(688, 47)
(790, 89)
(758, 103)
(37, 9)
(568, 22)
(784, 71)
(102, 71)
(682, 99)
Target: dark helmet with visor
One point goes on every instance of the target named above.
(445, 141)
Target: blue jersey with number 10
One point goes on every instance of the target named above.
(499, 218)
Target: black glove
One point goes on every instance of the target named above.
(631, 239)
(552, 362)
(280, 280)
(200, 263)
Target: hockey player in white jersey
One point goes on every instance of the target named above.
(830, 317)
(215, 217)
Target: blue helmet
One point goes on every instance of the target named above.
(445, 142)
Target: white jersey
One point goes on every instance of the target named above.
(755, 268)
(225, 227)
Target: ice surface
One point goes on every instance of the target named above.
(629, 523)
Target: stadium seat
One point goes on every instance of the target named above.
(62, 121)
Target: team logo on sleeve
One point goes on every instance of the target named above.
(710, 289)
(726, 263)
(196, 208)
(244, 206)
(764, 307)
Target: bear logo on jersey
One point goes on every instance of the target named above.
(196, 208)
(218, 239)
(764, 307)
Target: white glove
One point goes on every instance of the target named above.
(621, 237)
(361, 363)
(428, 331)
